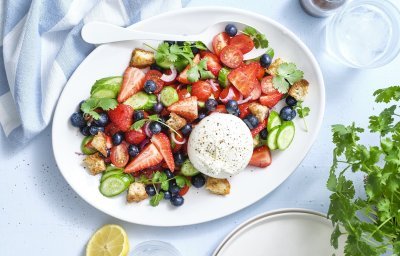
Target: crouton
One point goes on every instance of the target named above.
(176, 122)
(260, 111)
(218, 186)
(273, 68)
(299, 90)
(99, 142)
(141, 58)
(95, 164)
(136, 192)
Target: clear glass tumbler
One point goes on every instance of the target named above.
(155, 248)
(364, 34)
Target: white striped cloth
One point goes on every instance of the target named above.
(40, 48)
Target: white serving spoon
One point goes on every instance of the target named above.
(100, 33)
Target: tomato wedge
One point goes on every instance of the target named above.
(231, 56)
(219, 42)
(155, 75)
(243, 42)
(119, 155)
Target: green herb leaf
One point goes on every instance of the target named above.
(260, 40)
(280, 84)
(138, 124)
(287, 74)
(193, 74)
(91, 104)
(156, 199)
(180, 181)
(388, 94)
(270, 52)
(199, 45)
(165, 185)
(178, 56)
(153, 117)
(156, 177)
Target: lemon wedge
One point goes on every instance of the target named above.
(110, 240)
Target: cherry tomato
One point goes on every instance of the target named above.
(267, 86)
(155, 75)
(183, 190)
(202, 90)
(231, 56)
(219, 42)
(243, 42)
(119, 155)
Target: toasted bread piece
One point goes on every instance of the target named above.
(218, 186)
(136, 192)
(260, 111)
(176, 122)
(99, 142)
(299, 90)
(95, 164)
(141, 58)
(273, 68)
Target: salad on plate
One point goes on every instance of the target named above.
(182, 116)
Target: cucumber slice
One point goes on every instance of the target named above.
(87, 150)
(223, 77)
(104, 93)
(107, 174)
(169, 96)
(201, 104)
(142, 101)
(271, 140)
(112, 82)
(114, 185)
(188, 169)
(285, 135)
(273, 120)
(112, 168)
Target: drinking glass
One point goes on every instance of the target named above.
(155, 248)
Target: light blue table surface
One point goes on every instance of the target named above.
(41, 215)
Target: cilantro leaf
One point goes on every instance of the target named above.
(287, 74)
(107, 104)
(180, 181)
(387, 94)
(199, 45)
(260, 40)
(156, 199)
(178, 56)
(91, 104)
(270, 52)
(280, 84)
(199, 71)
(193, 74)
(138, 124)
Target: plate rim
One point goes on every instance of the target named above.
(263, 216)
(287, 31)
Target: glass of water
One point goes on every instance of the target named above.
(155, 248)
(364, 34)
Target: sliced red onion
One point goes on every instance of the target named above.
(171, 77)
(213, 84)
(177, 141)
(147, 130)
(179, 87)
(144, 143)
(241, 100)
(229, 96)
(159, 97)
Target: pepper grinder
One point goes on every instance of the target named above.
(321, 8)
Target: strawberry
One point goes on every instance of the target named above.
(111, 129)
(255, 69)
(182, 77)
(163, 145)
(202, 90)
(271, 99)
(259, 128)
(267, 86)
(109, 143)
(220, 109)
(149, 157)
(261, 157)
(186, 108)
(135, 136)
(184, 190)
(240, 78)
(213, 63)
(256, 92)
(244, 110)
(122, 117)
(132, 83)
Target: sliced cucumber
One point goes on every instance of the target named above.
(142, 101)
(271, 140)
(188, 169)
(114, 185)
(223, 77)
(169, 96)
(107, 174)
(273, 120)
(87, 150)
(285, 135)
(112, 83)
(112, 168)
(104, 93)
(201, 104)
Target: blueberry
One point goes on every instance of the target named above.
(170, 42)
(77, 120)
(265, 60)
(93, 130)
(264, 134)
(169, 174)
(102, 121)
(195, 50)
(117, 138)
(211, 104)
(155, 127)
(138, 115)
(180, 43)
(158, 107)
(167, 195)
(85, 131)
(201, 116)
(177, 200)
(154, 66)
(174, 189)
(287, 113)
(198, 181)
(186, 129)
(231, 30)
(251, 121)
(236, 113)
(179, 158)
(150, 190)
(150, 86)
(133, 150)
(291, 101)
(231, 106)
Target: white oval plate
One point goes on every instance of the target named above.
(285, 232)
(200, 206)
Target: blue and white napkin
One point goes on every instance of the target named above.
(41, 46)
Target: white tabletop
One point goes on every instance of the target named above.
(41, 215)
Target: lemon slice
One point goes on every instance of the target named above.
(110, 240)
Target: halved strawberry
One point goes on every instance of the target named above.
(182, 77)
(132, 83)
(163, 145)
(271, 99)
(213, 63)
(256, 92)
(111, 129)
(155, 75)
(202, 90)
(109, 143)
(122, 116)
(244, 110)
(219, 42)
(259, 128)
(267, 86)
(255, 69)
(149, 156)
(243, 42)
(135, 136)
(241, 80)
(261, 157)
(186, 108)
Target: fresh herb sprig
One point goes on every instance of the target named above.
(259, 39)
(287, 74)
(199, 71)
(140, 123)
(303, 113)
(370, 221)
(91, 104)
